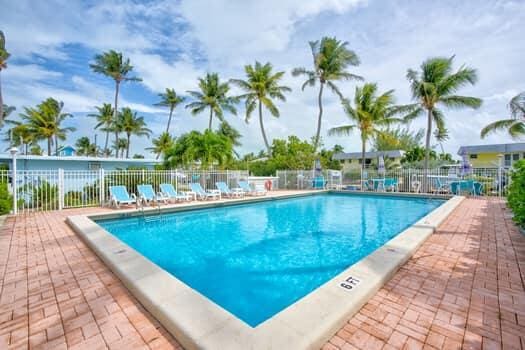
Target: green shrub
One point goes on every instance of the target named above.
(516, 193)
(6, 200)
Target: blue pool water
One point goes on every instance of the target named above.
(256, 259)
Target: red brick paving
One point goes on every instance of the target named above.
(464, 288)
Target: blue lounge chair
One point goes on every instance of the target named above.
(245, 186)
(119, 195)
(148, 196)
(202, 194)
(227, 192)
(458, 187)
(478, 189)
(169, 192)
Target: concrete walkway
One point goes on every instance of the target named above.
(463, 288)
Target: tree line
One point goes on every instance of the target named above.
(371, 113)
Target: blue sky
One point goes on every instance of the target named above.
(171, 43)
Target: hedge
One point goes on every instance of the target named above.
(516, 193)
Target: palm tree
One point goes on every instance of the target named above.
(120, 146)
(105, 122)
(131, 124)
(4, 55)
(213, 95)
(84, 147)
(331, 59)
(370, 112)
(515, 125)
(45, 121)
(435, 86)
(441, 136)
(6, 111)
(161, 144)
(231, 133)
(261, 86)
(170, 99)
(19, 135)
(118, 68)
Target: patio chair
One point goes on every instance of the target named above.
(227, 192)
(390, 184)
(478, 189)
(169, 192)
(202, 194)
(245, 186)
(458, 187)
(318, 183)
(119, 195)
(148, 196)
(439, 187)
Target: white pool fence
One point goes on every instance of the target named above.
(59, 189)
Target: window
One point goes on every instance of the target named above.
(94, 165)
(349, 161)
(368, 161)
(507, 160)
(515, 157)
(473, 156)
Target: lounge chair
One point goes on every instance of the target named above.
(119, 195)
(256, 191)
(169, 192)
(202, 194)
(148, 196)
(227, 192)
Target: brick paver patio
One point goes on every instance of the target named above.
(463, 288)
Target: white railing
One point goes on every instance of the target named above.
(494, 181)
(59, 189)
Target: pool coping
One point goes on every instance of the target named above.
(198, 323)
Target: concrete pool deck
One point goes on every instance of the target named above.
(56, 293)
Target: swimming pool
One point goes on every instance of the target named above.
(256, 259)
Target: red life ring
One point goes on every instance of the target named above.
(268, 185)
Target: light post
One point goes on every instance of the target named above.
(500, 173)
(13, 152)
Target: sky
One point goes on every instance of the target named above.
(172, 43)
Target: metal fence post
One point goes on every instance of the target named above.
(14, 181)
(102, 192)
(60, 189)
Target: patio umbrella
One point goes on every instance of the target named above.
(381, 166)
(465, 165)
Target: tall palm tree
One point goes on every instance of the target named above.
(19, 135)
(84, 147)
(131, 124)
(370, 112)
(105, 122)
(331, 59)
(515, 125)
(161, 144)
(213, 95)
(112, 64)
(4, 55)
(441, 136)
(45, 122)
(169, 99)
(434, 86)
(261, 86)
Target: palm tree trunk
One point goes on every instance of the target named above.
(115, 116)
(262, 130)
(106, 143)
(427, 149)
(211, 118)
(1, 105)
(56, 145)
(319, 119)
(127, 146)
(49, 141)
(169, 120)
(363, 152)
